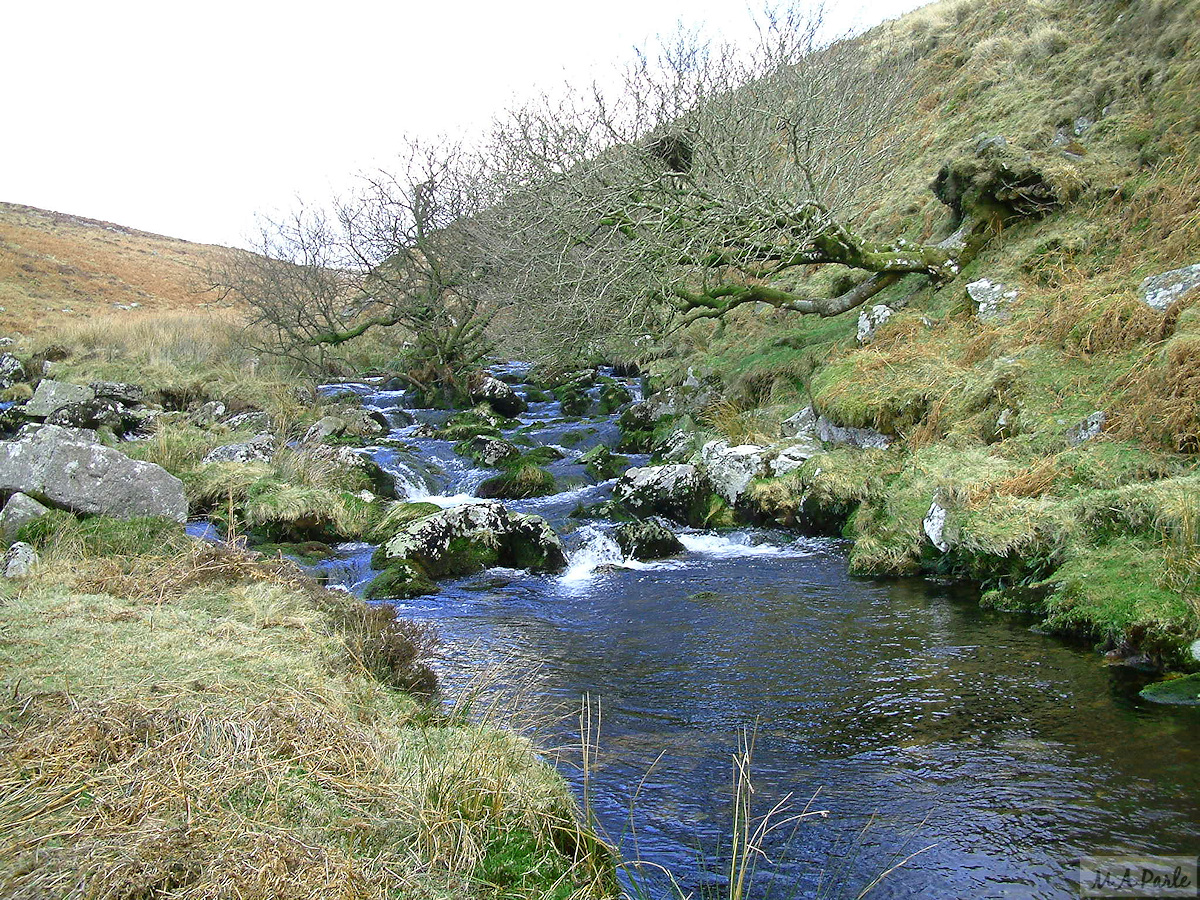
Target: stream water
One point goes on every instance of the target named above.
(918, 722)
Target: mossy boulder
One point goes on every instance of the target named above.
(400, 579)
(498, 395)
(473, 422)
(573, 395)
(603, 464)
(465, 539)
(648, 539)
(1183, 691)
(679, 492)
(486, 450)
(613, 395)
(637, 429)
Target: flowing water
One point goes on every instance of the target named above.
(917, 722)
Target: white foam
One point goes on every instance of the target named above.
(735, 545)
(598, 549)
(448, 502)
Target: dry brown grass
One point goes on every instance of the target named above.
(1160, 397)
(1164, 215)
(1036, 480)
(1084, 324)
(158, 579)
(50, 262)
(226, 735)
(141, 794)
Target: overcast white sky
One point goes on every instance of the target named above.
(187, 118)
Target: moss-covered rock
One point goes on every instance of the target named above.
(613, 395)
(574, 399)
(1184, 691)
(679, 492)
(648, 539)
(488, 451)
(400, 580)
(468, 538)
(603, 464)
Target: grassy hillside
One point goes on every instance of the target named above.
(57, 268)
(1102, 538)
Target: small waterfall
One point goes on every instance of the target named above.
(598, 549)
(349, 570)
(412, 477)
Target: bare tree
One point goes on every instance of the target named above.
(714, 170)
(293, 287)
(411, 250)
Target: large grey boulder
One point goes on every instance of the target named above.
(256, 419)
(859, 438)
(498, 395)
(1160, 291)
(18, 561)
(326, 426)
(992, 300)
(490, 451)
(680, 400)
(679, 491)
(810, 430)
(466, 538)
(792, 457)
(52, 396)
(19, 511)
(802, 425)
(731, 469)
(92, 414)
(65, 468)
(259, 448)
(120, 391)
(366, 422)
(679, 447)
(206, 414)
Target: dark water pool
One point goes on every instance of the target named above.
(918, 721)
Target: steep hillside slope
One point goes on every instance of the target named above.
(1101, 536)
(56, 268)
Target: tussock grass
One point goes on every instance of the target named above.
(888, 529)
(300, 493)
(216, 725)
(740, 426)
(1161, 396)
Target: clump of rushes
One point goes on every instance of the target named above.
(519, 482)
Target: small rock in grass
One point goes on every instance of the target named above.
(20, 510)
(870, 320)
(1160, 291)
(1086, 430)
(992, 300)
(19, 560)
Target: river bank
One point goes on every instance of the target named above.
(192, 720)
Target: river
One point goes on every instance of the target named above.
(924, 728)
